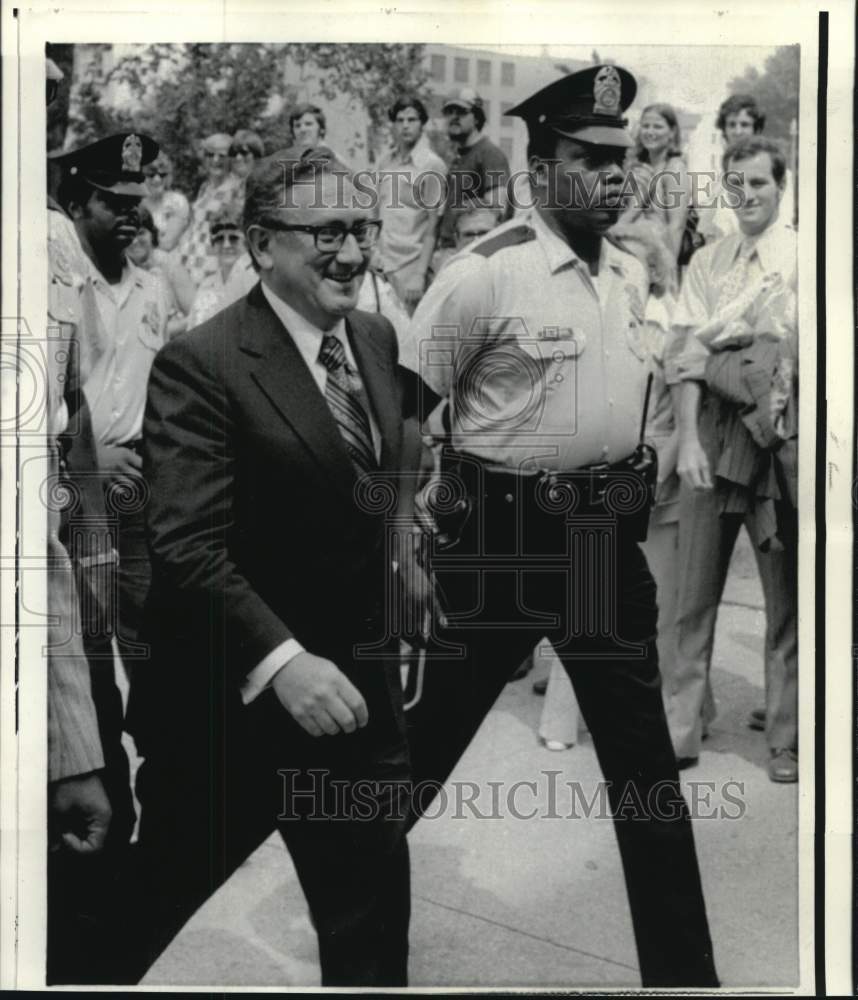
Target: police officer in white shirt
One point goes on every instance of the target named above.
(533, 334)
(101, 189)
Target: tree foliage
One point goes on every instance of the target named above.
(181, 93)
(776, 91)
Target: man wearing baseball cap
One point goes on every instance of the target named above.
(479, 171)
(534, 333)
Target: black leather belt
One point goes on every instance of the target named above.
(623, 490)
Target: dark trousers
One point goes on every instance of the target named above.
(521, 573)
(211, 794)
(87, 900)
(125, 501)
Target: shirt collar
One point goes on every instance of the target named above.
(771, 246)
(307, 337)
(132, 276)
(559, 254)
(418, 156)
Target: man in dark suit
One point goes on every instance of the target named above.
(268, 701)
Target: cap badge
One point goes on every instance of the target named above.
(132, 153)
(606, 92)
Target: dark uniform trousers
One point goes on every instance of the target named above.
(226, 778)
(527, 568)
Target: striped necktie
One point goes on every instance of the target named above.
(735, 286)
(343, 395)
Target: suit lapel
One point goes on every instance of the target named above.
(379, 381)
(277, 367)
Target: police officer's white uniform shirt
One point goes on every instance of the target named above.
(131, 328)
(544, 364)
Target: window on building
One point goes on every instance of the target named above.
(505, 106)
(506, 146)
(487, 108)
(439, 68)
(508, 74)
(484, 71)
(461, 70)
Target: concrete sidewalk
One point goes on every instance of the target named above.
(541, 902)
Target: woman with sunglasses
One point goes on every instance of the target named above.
(227, 242)
(245, 150)
(221, 190)
(170, 209)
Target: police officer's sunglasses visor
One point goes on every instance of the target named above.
(330, 239)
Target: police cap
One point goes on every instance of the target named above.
(113, 164)
(586, 106)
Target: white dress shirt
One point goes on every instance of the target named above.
(308, 339)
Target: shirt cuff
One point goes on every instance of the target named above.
(687, 367)
(263, 673)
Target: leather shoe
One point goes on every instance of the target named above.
(783, 765)
(540, 687)
(683, 763)
(757, 720)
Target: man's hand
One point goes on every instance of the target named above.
(693, 465)
(116, 460)
(319, 696)
(80, 813)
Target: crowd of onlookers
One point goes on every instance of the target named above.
(196, 249)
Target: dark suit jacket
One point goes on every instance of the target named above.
(255, 531)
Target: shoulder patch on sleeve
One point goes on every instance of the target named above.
(510, 238)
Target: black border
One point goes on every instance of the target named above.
(821, 479)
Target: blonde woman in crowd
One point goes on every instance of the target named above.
(663, 194)
(220, 190)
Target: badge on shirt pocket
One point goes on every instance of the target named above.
(556, 340)
(150, 327)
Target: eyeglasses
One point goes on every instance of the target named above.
(330, 239)
(215, 154)
(157, 173)
(233, 239)
(240, 151)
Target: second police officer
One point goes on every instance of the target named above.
(532, 334)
